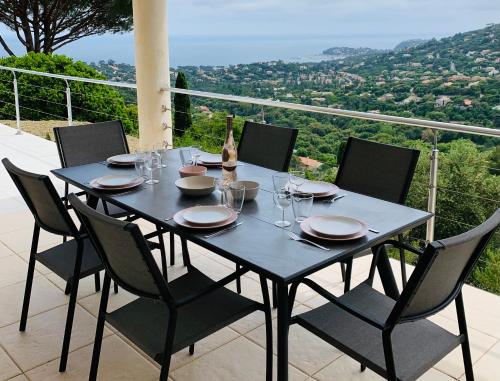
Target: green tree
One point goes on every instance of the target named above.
(182, 107)
(47, 25)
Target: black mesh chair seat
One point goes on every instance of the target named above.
(144, 321)
(417, 345)
(60, 259)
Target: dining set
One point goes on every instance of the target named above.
(271, 221)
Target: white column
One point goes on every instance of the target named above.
(153, 72)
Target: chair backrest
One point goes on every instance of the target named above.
(43, 200)
(266, 145)
(123, 251)
(89, 143)
(377, 170)
(442, 270)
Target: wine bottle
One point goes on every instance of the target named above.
(229, 154)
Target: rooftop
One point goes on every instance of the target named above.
(233, 352)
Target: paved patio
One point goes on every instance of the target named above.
(235, 352)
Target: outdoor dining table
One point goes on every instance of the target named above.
(258, 244)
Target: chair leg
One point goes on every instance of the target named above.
(97, 281)
(402, 262)
(71, 308)
(115, 287)
(342, 270)
(169, 342)
(269, 329)
(238, 280)
(462, 324)
(172, 249)
(348, 275)
(67, 289)
(162, 252)
(275, 295)
(363, 368)
(96, 353)
(389, 356)
(191, 349)
(185, 253)
(29, 279)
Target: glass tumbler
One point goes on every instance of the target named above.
(186, 157)
(152, 165)
(302, 205)
(140, 165)
(234, 197)
(280, 181)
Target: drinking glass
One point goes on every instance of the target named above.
(302, 204)
(162, 153)
(234, 196)
(195, 153)
(297, 178)
(140, 164)
(280, 180)
(152, 163)
(219, 187)
(186, 157)
(282, 199)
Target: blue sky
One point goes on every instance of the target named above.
(202, 31)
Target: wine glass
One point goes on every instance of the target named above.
(297, 179)
(282, 199)
(280, 180)
(152, 164)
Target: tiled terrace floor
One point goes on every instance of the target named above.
(234, 353)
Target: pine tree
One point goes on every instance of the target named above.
(182, 107)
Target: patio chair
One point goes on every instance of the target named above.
(266, 145)
(378, 170)
(394, 338)
(91, 143)
(71, 260)
(167, 316)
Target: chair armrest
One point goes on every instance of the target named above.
(214, 287)
(402, 245)
(333, 299)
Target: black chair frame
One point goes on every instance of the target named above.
(166, 296)
(398, 313)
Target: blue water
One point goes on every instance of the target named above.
(224, 50)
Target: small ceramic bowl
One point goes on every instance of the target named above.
(196, 185)
(251, 188)
(193, 170)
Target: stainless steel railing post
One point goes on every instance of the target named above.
(432, 198)
(16, 103)
(68, 103)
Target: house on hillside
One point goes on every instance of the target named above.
(442, 101)
(467, 102)
(309, 163)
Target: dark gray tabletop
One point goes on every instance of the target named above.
(257, 243)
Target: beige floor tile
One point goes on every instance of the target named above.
(25, 256)
(86, 286)
(118, 361)
(21, 377)
(480, 343)
(12, 270)
(5, 251)
(44, 296)
(20, 240)
(488, 366)
(203, 347)
(435, 375)
(91, 302)
(8, 368)
(239, 360)
(307, 352)
(16, 221)
(42, 340)
(346, 369)
(248, 323)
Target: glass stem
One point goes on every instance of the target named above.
(283, 218)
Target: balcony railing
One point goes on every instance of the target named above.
(434, 126)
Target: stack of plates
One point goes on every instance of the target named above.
(116, 182)
(210, 160)
(205, 217)
(125, 160)
(319, 189)
(334, 228)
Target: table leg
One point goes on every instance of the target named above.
(387, 275)
(283, 325)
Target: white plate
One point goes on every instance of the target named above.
(138, 181)
(207, 215)
(127, 158)
(316, 187)
(115, 181)
(306, 228)
(209, 158)
(335, 226)
(179, 219)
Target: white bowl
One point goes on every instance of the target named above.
(196, 185)
(251, 188)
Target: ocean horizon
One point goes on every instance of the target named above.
(228, 50)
